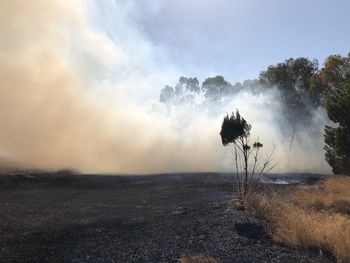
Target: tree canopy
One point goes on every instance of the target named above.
(337, 139)
(233, 128)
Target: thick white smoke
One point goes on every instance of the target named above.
(74, 95)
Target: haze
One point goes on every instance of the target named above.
(80, 80)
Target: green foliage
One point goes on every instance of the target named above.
(292, 74)
(317, 90)
(335, 71)
(337, 139)
(233, 128)
(338, 104)
(292, 78)
(257, 145)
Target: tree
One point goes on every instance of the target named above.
(217, 89)
(183, 93)
(337, 139)
(292, 79)
(167, 95)
(189, 84)
(336, 70)
(236, 131)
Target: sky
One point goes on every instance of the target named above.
(233, 38)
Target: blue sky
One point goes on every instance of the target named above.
(236, 39)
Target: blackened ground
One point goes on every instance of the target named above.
(54, 218)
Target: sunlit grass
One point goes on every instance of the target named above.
(313, 218)
(333, 195)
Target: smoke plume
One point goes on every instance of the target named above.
(73, 96)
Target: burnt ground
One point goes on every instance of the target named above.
(50, 218)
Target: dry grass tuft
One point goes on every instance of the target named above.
(308, 219)
(197, 259)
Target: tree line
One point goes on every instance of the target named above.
(302, 88)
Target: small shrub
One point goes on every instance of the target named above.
(235, 131)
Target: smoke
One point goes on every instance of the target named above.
(72, 95)
(298, 150)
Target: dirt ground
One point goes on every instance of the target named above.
(158, 218)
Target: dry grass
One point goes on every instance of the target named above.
(333, 195)
(308, 219)
(197, 259)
